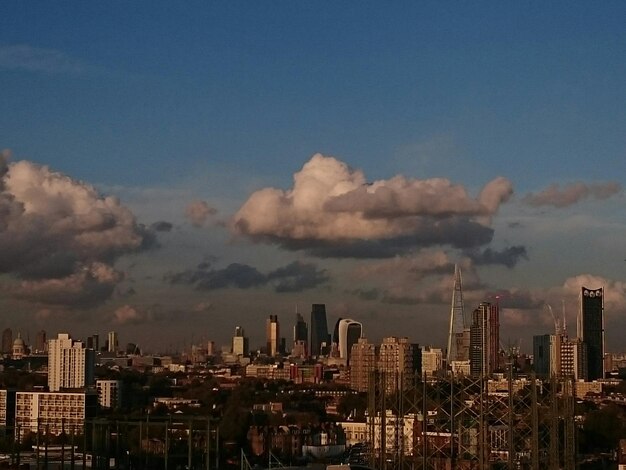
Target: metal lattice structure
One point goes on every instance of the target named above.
(461, 422)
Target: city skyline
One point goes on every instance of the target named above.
(184, 170)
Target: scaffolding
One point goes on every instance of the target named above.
(460, 422)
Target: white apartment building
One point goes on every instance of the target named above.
(109, 393)
(53, 412)
(70, 364)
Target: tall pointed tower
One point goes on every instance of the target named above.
(458, 322)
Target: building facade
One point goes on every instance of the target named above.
(241, 344)
(485, 340)
(272, 335)
(109, 393)
(399, 361)
(53, 412)
(70, 364)
(319, 343)
(362, 364)
(112, 341)
(349, 333)
(591, 329)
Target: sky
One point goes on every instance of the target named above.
(171, 171)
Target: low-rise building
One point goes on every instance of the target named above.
(53, 412)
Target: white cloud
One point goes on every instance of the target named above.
(332, 203)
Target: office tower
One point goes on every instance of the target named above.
(591, 330)
(40, 342)
(319, 330)
(484, 340)
(547, 355)
(300, 333)
(349, 332)
(70, 364)
(112, 341)
(399, 361)
(272, 334)
(93, 342)
(574, 359)
(210, 348)
(7, 341)
(362, 364)
(240, 343)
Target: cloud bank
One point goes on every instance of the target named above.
(332, 211)
(294, 277)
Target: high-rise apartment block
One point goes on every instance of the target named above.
(70, 364)
(109, 393)
(362, 364)
(574, 359)
(591, 330)
(320, 341)
(399, 361)
(272, 330)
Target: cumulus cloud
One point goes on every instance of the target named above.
(198, 213)
(126, 315)
(331, 210)
(59, 235)
(90, 286)
(571, 194)
(294, 277)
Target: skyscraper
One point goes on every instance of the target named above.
(591, 330)
(484, 339)
(272, 329)
(240, 343)
(300, 333)
(40, 341)
(112, 341)
(547, 355)
(70, 364)
(7, 341)
(349, 333)
(319, 330)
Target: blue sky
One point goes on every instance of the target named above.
(164, 104)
